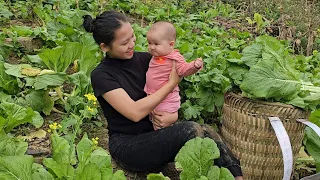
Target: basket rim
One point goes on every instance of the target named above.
(263, 102)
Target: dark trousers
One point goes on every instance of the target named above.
(151, 151)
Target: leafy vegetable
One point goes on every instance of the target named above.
(59, 58)
(312, 143)
(12, 115)
(39, 173)
(93, 162)
(315, 117)
(45, 81)
(196, 159)
(160, 176)
(272, 75)
(11, 146)
(82, 82)
(40, 101)
(8, 83)
(16, 167)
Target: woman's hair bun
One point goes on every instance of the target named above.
(88, 23)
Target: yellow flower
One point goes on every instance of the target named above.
(55, 126)
(94, 103)
(95, 140)
(89, 109)
(91, 97)
(49, 130)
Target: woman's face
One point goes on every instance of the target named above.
(123, 45)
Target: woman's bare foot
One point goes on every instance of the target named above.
(238, 178)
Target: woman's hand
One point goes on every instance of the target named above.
(174, 78)
(163, 119)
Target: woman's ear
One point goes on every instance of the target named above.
(104, 47)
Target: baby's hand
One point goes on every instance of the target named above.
(198, 63)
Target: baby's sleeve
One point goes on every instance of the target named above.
(185, 68)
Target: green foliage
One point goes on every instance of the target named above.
(5, 13)
(315, 117)
(12, 115)
(312, 144)
(8, 84)
(40, 101)
(10, 146)
(16, 167)
(196, 158)
(59, 58)
(272, 75)
(92, 162)
(160, 176)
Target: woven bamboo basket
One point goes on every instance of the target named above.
(249, 134)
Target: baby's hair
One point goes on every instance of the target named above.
(166, 26)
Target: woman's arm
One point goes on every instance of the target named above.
(137, 110)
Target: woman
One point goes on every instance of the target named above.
(118, 83)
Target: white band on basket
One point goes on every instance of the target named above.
(311, 125)
(285, 145)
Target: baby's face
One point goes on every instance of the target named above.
(158, 44)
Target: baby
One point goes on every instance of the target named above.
(161, 39)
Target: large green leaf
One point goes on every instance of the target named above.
(16, 167)
(237, 72)
(51, 57)
(87, 61)
(90, 172)
(34, 59)
(252, 54)
(11, 146)
(5, 13)
(23, 31)
(84, 150)
(37, 119)
(16, 115)
(61, 170)
(225, 174)
(7, 82)
(102, 159)
(159, 176)
(313, 146)
(119, 175)
(214, 173)
(5, 97)
(48, 80)
(40, 173)
(196, 157)
(15, 69)
(40, 100)
(59, 59)
(315, 117)
(268, 79)
(81, 81)
(60, 149)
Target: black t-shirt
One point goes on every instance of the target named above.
(130, 75)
